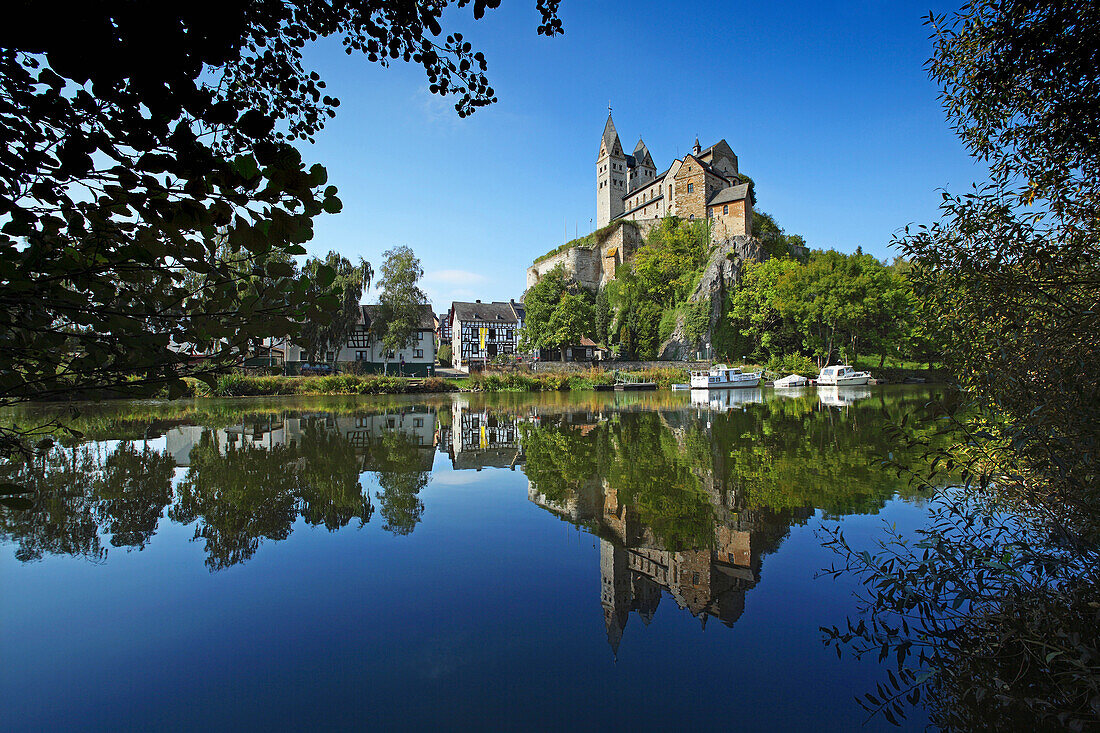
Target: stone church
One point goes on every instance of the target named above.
(632, 198)
(704, 183)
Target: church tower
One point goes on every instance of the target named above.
(611, 176)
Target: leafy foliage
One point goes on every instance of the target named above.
(999, 597)
(401, 301)
(131, 134)
(559, 312)
(347, 284)
(831, 305)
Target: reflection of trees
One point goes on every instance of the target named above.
(133, 490)
(328, 473)
(247, 494)
(81, 493)
(238, 498)
(653, 475)
(792, 453)
(396, 460)
(682, 475)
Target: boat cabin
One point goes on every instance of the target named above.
(842, 370)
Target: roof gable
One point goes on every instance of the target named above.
(495, 312)
(609, 142)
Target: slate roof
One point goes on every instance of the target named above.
(427, 316)
(495, 312)
(733, 193)
(641, 154)
(610, 136)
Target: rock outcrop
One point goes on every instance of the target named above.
(722, 271)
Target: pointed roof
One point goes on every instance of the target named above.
(696, 148)
(610, 140)
(641, 154)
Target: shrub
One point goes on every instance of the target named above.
(794, 364)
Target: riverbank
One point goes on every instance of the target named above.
(245, 385)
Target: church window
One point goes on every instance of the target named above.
(725, 208)
(691, 188)
(691, 217)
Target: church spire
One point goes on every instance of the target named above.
(609, 142)
(697, 149)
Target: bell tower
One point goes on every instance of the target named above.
(611, 175)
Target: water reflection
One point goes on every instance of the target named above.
(687, 494)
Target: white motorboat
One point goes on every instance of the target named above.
(794, 380)
(842, 375)
(678, 386)
(724, 377)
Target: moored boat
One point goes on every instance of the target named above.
(842, 375)
(794, 380)
(724, 377)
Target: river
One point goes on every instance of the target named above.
(587, 561)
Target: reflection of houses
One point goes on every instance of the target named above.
(635, 568)
(483, 437)
(416, 424)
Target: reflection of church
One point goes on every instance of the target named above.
(635, 568)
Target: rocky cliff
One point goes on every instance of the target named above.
(722, 272)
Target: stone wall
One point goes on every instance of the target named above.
(691, 204)
(594, 268)
(737, 223)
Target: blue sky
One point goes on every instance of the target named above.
(827, 105)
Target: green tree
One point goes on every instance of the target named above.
(998, 594)
(331, 331)
(116, 173)
(570, 322)
(402, 302)
(603, 317)
(559, 312)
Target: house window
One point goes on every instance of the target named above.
(329, 356)
(389, 353)
(691, 188)
(418, 422)
(360, 355)
(418, 354)
(725, 208)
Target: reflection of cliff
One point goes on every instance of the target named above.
(636, 567)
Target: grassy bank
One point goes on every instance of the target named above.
(245, 385)
(569, 381)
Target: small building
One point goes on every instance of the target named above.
(443, 327)
(586, 350)
(482, 331)
(365, 353)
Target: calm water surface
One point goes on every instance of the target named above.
(600, 561)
